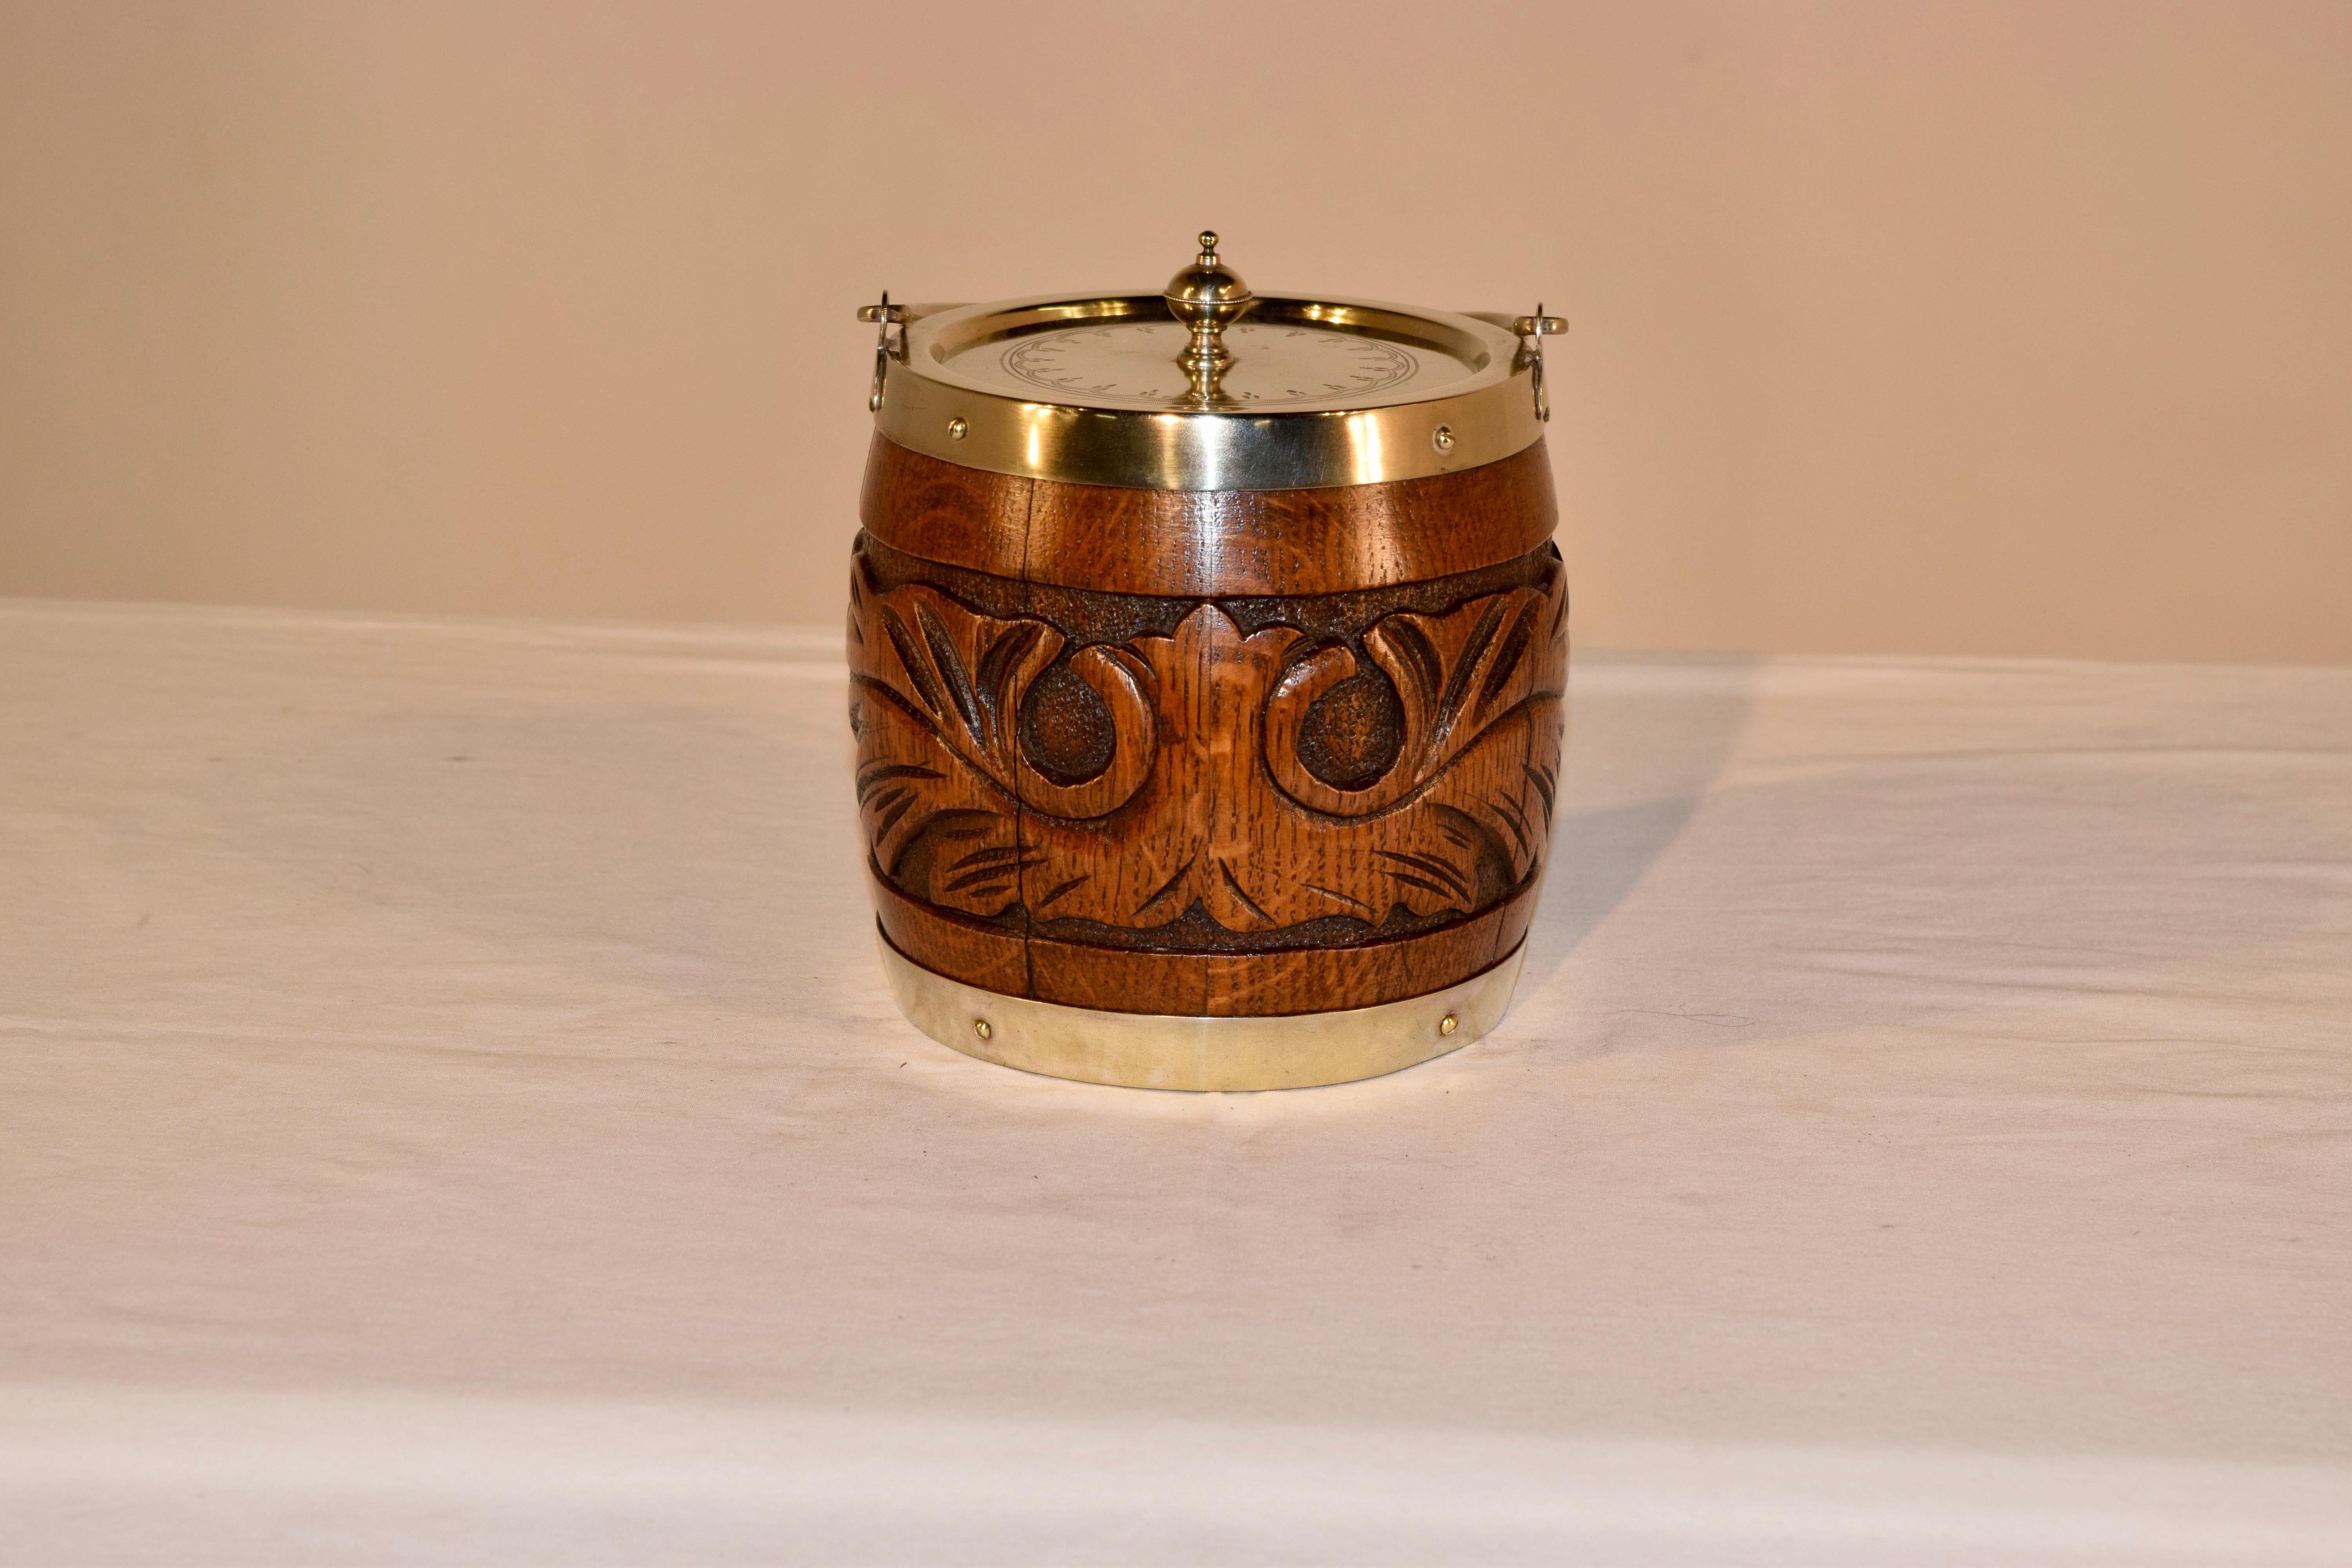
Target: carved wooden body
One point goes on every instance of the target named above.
(1206, 753)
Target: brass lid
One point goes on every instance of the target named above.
(1208, 385)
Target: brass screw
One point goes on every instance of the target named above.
(956, 428)
(1443, 437)
(1448, 1024)
(980, 1027)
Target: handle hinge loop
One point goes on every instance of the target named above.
(1533, 329)
(885, 316)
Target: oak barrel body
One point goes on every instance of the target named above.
(1206, 753)
(1206, 656)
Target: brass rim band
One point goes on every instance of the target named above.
(928, 408)
(1142, 1050)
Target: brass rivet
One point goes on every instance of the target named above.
(980, 1027)
(1448, 1024)
(956, 428)
(1443, 437)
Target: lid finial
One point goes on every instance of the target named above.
(1207, 297)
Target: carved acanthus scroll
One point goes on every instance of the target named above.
(1209, 787)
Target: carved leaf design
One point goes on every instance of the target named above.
(1456, 673)
(1193, 833)
(935, 693)
(932, 824)
(964, 675)
(1203, 822)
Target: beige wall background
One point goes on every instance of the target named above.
(1989, 328)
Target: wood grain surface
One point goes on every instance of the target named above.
(1242, 804)
(1199, 984)
(1208, 543)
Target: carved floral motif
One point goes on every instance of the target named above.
(1211, 787)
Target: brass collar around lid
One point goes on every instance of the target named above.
(1207, 297)
(1145, 388)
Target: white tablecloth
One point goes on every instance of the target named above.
(450, 1110)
